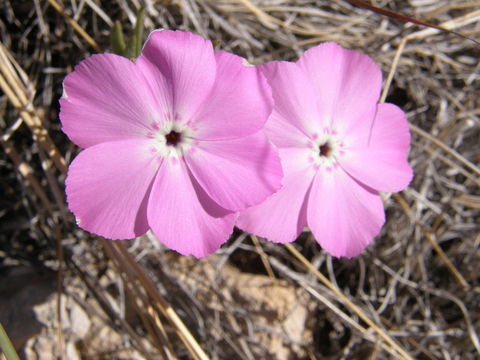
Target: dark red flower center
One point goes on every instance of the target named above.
(173, 138)
(325, 149)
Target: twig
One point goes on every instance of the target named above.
(75, 25)
(446, 148)
(384, 335)
(263, 256)
(26, 171)
(61, 260)
(407, 209)
(17, 94)
(159, 301)
(340, 313)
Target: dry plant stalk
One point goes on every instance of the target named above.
(21, 99)
(25, 170)
(135, 273)
(354, 308)
(75, 25)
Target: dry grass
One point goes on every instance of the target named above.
(413, 294)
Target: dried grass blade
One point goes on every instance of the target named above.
(446, 148)
(339, 312)
(16, 91)
(471, 17)
(141, 301)
(267, 20)
(184, 334)
(382, 333)
(446, 260)
(406, 208)
(263, 256)
(61, 261)
(75, 25)
(170, 353)
(26, 171)
(392, 14)
(271, 22)
(102, 300)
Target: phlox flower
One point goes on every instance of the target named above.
(172, 142)
(338, 149)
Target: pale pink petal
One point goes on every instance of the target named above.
(239, 103)
(295, 116)
(296, 160)
(377, 155)
(284, 134)
(344, 215)
(347, 83)
(282, 217)
(187, 62)
(236, 173)
(105, 99)
(182, 216)
(107, 188)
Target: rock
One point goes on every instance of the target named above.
(21, 289)
(277, 309)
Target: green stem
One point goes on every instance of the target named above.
(7, 346)
(139, 31)
(118, 42)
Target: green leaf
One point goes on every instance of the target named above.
(117, 39)
(130, 49)
(7, 346)
(138, 35)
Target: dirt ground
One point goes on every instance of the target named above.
(413, 294)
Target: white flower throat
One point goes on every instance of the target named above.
(325, 149)
(173, 139)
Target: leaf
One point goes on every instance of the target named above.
(138, 34)
(117, 40)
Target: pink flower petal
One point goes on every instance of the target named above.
(296, 160)
(377, 155)
(182, 216)
(108, 185)
(347, 84)
(282, 217)
(236, 173)
(283, 134)
(239, 103)
(106, 99)
(295, 116)
(344, 215)
(187, 62)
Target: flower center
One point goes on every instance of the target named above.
(326, 147)
(173, 138)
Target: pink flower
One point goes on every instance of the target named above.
(172, 142)
(338, 148)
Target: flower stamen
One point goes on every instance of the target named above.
(173, 138)
(325, 150)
